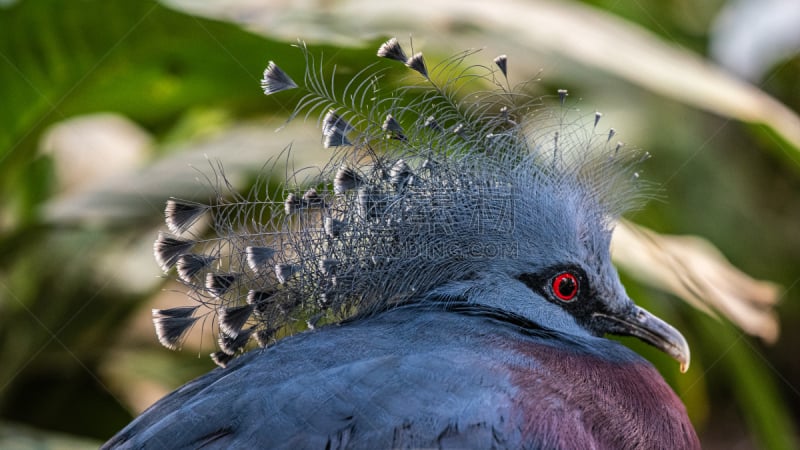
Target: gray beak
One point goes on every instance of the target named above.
(639, 323)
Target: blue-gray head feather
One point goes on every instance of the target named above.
(453, 187)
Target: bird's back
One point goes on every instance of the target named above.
(450, 377)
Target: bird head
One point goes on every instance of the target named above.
(495, 199)
(541, 247)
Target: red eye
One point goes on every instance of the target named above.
(565, 287)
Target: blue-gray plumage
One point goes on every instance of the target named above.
(462, 275)
(432, 376)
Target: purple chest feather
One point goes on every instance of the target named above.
(576, 400)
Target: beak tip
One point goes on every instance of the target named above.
(683, 354)
(640, 323)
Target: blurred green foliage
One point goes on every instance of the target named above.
(179, 76)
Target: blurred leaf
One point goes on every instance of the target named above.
(567, 29)
(748, 376)
(694, 270)
(20, 437)
(137, 58)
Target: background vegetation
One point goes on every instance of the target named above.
(108, 105)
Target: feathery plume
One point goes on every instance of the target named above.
(502, 62)
(180, 215)
(231, 320)
(417, 62)
(189, 265)
(397, 211)
(219, 283)
(168, 249)
(259, 258)
(334, 130)
(391, 49)
(275, 80)
(172, 324)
